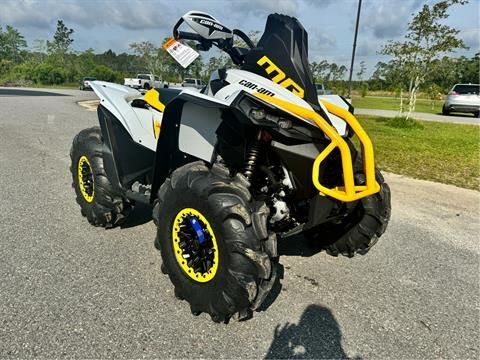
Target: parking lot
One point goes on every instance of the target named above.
(72, 290)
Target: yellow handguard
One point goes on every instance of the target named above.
(350, 191)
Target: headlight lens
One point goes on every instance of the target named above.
(261, 115)
(258, 114)
(285, 123)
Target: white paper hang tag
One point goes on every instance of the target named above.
(183, 54)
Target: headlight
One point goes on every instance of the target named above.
(261, 115)
(258, 114)
(285, 123)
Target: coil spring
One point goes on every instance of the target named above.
(253, 153)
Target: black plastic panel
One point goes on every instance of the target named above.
(125, 160)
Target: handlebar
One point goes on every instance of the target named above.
(188, 36)
(223, 44)
(184, 34)
(244, 37)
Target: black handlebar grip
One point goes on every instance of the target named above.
(188, 36)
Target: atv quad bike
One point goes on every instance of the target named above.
(254, 158)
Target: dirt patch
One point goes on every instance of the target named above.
(90, 105)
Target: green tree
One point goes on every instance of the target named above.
(337, 72)
(434, 92)
(426, 39)
(320, 71)
(212, 65)
(59, 47)
(252, 34)
(147, 53)
(85, 63)
(167, 65)
(102, 72)
(468, 71)
(39, 51)
(361, 71)
(12, 43)
(126, 63)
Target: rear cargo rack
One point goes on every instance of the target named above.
(350, 191)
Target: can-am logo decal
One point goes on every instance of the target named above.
(280, 77)
(253, 86)
(211, 23)
(212, 26)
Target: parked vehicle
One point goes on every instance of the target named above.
(253, 159)
(85, 82)
(463, 98)
(194, 83)
(145, 81)
(321, 90)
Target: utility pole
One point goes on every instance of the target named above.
(353, 51)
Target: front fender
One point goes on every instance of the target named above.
(188, 133)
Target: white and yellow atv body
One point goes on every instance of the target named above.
(253, 157)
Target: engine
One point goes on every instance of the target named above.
(273, 185)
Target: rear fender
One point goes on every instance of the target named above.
(125, 160)
(116, 99)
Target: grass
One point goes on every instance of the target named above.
(441, 152)
(391, 103)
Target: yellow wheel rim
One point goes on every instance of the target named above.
(196, 250)
(85, 179)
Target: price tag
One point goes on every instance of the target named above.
(182, 54)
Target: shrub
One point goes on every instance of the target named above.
(5, 67)
(339, 88)
(120, 76)
(48, 74)
(22, 72)
(102, 72)
(397, 90)
(404, 123)
(364, 89)
(434, 92)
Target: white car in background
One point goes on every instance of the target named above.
(145, 81)
(463, 98)
(194, 83)
(85, 82)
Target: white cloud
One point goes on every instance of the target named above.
(133, 15)
(367, 48)
(104, 24)
(320, 43)
(471, 37)
(262, 7)
(387, 19)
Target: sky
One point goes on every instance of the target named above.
(114, 24)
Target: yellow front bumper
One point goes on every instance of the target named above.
(350, 191)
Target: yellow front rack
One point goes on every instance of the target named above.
(350, 191)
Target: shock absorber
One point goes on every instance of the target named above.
(253, 153)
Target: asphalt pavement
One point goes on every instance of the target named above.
(72, 290)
